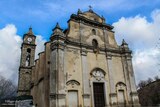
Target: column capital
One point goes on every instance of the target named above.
(57, 45)
(109, 57)
(86, 95)
(112, 94)
(84, 51)
(57, 96)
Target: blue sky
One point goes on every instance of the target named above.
(42, 15)
(136, 21)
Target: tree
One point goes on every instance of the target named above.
(149, 80)
(149, 93)
(156, 78)
(7, 88)
(142, 84)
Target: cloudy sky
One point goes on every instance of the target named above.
(137, 21)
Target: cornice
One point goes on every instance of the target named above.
(82, 19)
(113, 50)
(29, 44)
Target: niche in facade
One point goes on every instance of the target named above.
(28, 57)
(95, 45)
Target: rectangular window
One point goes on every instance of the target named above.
(121, 98)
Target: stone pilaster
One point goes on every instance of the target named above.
(57, 74)
(86, 88)
(129, 75)
(110, 66)
(133, 93)
(57, 80)
(113, 96)
(126, 77)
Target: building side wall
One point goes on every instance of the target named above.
(46, 75)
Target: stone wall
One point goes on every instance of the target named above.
(72, 63)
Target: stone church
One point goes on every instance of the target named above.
(81, 66)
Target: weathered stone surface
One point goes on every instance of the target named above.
(27, 61)
(78, 59)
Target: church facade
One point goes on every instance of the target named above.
(81, 66)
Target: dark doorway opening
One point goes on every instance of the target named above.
(98, 90)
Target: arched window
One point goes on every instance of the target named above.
(93, 32)
(95, 45)
(28, 57)
(29, 50)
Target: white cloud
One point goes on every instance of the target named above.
(10, 44)
(146, 63)
(142, 37)
(40, 45)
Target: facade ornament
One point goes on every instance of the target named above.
(120, 85)
(124, 45)
(30, 31)
(79, 12)
(103, 19)
(73, 82)
(57, 31)
(98, 74)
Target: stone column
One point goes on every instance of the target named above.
(86, 88)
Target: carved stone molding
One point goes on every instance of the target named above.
(73, 82)
(57, 96)
(57, 45)
(109, 57)
(113, 94)
(133, 93)
(84, 52)
(121, 86)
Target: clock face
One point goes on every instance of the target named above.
(29, 39)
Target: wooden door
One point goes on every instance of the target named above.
(98, 89)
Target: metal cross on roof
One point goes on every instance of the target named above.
(90, 7)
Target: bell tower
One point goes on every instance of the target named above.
(27, 61)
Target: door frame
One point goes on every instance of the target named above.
(105, 92)
(99, 76)
(100, 83)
